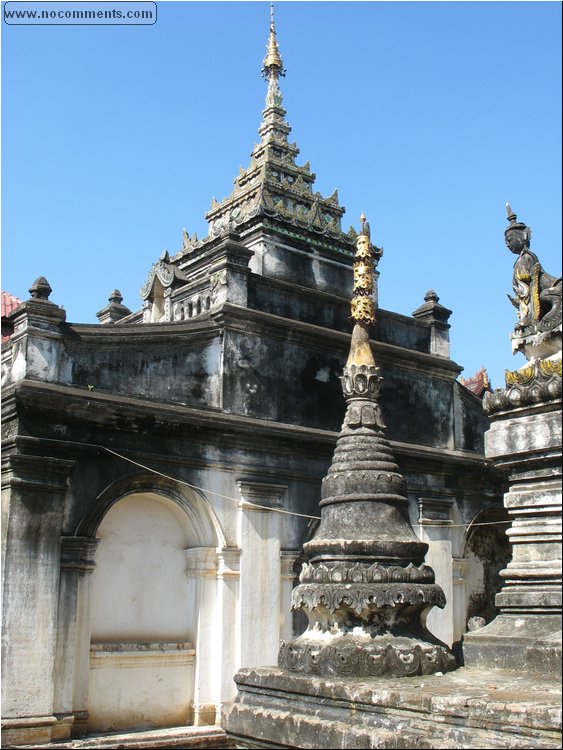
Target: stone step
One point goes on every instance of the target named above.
(192, 738)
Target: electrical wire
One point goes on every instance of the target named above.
(207, 491)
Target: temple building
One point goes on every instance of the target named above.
(479, 384)
(162, 469)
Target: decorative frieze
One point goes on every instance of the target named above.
(337, 572)
(537, 382)
(367, 659)
(130, 655)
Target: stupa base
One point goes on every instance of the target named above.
(332, 655)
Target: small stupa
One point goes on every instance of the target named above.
(365, 587)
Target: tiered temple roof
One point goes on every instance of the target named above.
(274, 185)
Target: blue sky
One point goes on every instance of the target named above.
(426, 116)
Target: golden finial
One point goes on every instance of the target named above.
(363, 306)
(272, 62)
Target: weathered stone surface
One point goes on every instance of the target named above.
(463, 709)
(527, 443)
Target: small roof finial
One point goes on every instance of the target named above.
(40, 289)
(272, 19)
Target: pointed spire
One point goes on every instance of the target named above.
(274, 185)
(272, 64)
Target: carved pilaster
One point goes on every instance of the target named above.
(288, 559)
(37, 487)
(260, 582)
(201, 569)
(201, 562)
(73, 636)
(229, 562)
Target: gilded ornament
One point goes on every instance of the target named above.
(363, 310)
(363, 277)
(520, 377)
(550, 367)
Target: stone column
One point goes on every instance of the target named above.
(459, 597)
(434, 528)
(30, 598)
(228, 629)
(73, 637)
(525, 441)
(202, 569)
(288, 558)
(260, 572)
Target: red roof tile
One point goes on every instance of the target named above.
(9, 303)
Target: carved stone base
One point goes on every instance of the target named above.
(359, 655)
(530, 644)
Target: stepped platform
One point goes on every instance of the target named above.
(467, 708)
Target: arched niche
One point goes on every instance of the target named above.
(139, 588)
(144, 608)
(486, 551)
(198, 518)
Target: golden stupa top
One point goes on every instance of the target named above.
(273, 60)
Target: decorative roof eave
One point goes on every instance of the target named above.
(290, 148)
(271, 190)
(167, 273)
(300, 174)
